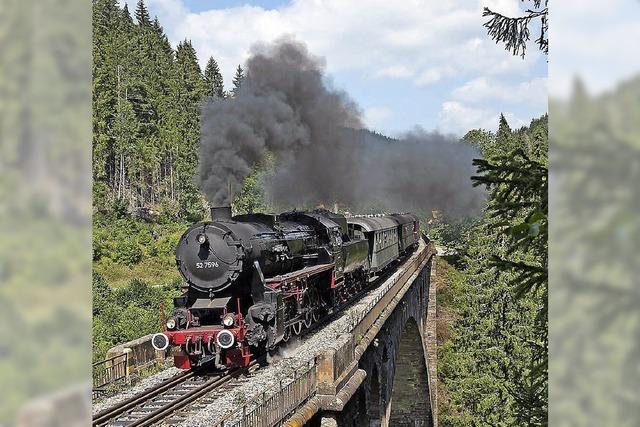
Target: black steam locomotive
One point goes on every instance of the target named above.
(256, 280)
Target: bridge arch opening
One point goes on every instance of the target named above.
(410, 402)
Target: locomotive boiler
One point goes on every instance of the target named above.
(255, 280)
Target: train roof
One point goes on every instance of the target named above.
(317, 216)
(404, 218)
(373, 223)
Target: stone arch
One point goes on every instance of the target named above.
(410, 404)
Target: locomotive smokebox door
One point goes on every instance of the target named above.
(209, 257)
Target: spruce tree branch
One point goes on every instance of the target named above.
(514, 31)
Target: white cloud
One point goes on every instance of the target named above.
(481, 89)
(458, 118)
(430, 40)
(395, 71)
(430, 76)
(505, 7)
(375, 117)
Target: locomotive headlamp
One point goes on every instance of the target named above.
(202, 238)
(160, 342)
(225, 339)
(228, 320)
(171, 323)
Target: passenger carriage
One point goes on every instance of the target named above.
(382, 235)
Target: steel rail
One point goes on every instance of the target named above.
(102, 417)
(192, 396)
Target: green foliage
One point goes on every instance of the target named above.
(453, 234)
(146, 99)
(127, 313)
(493, 363)
(125, 248)
(252, 197)
(213, 79)
(481, 138)
(237, 79)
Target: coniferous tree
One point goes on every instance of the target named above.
(494, 367)
(193, 90)
(142, 14)
(514, 32)
(213, 79)
(145, 110)
(505, 137)
(109, 36)
(237, 80)
(126, 17)
(518, 184)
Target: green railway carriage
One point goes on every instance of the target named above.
(382, 234)
(408, 230)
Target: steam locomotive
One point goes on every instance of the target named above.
(256, 280)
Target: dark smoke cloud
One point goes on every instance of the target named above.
(283, 105)
(421, 171)
(286, 106)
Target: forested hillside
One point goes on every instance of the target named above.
(493, 311)
(146, 106)
(146, 101)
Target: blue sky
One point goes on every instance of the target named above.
(406, 64)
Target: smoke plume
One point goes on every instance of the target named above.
(286, 106)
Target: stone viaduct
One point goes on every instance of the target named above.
(385, 373)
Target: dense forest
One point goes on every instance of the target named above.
(146, 103)
(492, 299)
(492, 291)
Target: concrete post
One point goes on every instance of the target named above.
(130, 366)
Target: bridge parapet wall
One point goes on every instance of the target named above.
(140, 352)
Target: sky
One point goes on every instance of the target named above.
(594, 40)
(407, 64)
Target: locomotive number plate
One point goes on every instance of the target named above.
(207, 264)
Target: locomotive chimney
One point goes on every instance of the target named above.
(220, 212)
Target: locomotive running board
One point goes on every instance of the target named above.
(304, 273)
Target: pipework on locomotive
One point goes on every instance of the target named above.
(256, 280)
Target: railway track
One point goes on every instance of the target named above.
(160, 402)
